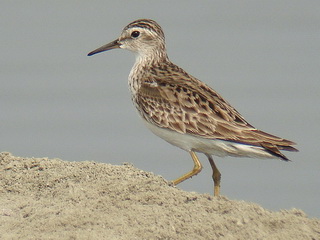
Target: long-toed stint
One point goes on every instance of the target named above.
(184, 111)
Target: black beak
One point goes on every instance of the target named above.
(109, 46)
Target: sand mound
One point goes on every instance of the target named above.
(43, 198)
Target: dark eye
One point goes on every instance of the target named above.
(135, 34)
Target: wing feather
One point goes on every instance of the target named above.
(186, 105)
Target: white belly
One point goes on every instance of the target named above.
(208, 146)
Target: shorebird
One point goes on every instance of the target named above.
(184, 111)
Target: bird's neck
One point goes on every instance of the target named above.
(143, 63)
(151, 57)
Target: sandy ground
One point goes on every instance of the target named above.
(43, 198)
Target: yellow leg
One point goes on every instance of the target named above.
(216, 176)
(196, 169)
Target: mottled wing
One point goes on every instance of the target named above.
(181, 103)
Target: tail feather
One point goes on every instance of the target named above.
(274, 150)
(272, 144)
(288, 148)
